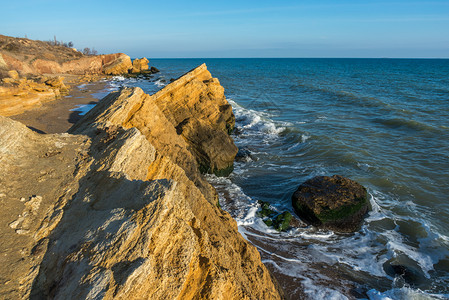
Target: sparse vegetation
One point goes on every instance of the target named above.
(55, 42)
(85, 51)
(88, 51)
(27, 50)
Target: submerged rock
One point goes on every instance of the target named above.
(335, 203)
(282, 221)
(279, 221)
(245, 155)
(409, 274)
(154, 70)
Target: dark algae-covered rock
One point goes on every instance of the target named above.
(282, 221)
(279, 221)
(335, 203)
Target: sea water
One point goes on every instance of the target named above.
(381, 122)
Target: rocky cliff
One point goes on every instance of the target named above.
(36, 57)
(30, 60)
(119, 209)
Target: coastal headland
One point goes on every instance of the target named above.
(118, 206)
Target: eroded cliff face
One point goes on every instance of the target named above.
(36, 57)
(109, 64)
(119, 209)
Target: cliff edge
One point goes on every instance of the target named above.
(118, 207)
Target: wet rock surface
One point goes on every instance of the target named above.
(335, 203)
(279, 221)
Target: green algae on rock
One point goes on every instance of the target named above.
(280, 222)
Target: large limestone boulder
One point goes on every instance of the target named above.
(335, 203)
(131, 107)
(196, 106)
(58, 83)
(139, 65)
(195, 115)
(119, 65)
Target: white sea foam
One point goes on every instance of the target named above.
(241, 204)
(424, 260)
(359, 251)
(376, 212)
(160, 82)
(115, 85)
(315, 291)
(404, 293)
(320, 119)
(444, 238)
(294, 146)
(316, 235)
(118, 78)
(257, 123)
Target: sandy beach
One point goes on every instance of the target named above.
(58, 116)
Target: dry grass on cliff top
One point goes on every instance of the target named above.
(27, 50)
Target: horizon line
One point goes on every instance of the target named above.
(295, 57)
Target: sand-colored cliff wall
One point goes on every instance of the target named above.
(109, 64)
(37, 57)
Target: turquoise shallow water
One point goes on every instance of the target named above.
(381, 122)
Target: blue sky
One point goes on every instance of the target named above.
(159, 29)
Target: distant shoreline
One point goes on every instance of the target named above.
(355, 58)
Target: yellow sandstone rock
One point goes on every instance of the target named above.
(120, 65)
(139, 65)
(21, 94)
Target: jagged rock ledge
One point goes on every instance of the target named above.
(119, 209)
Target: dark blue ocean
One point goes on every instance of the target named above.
(381, 122)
